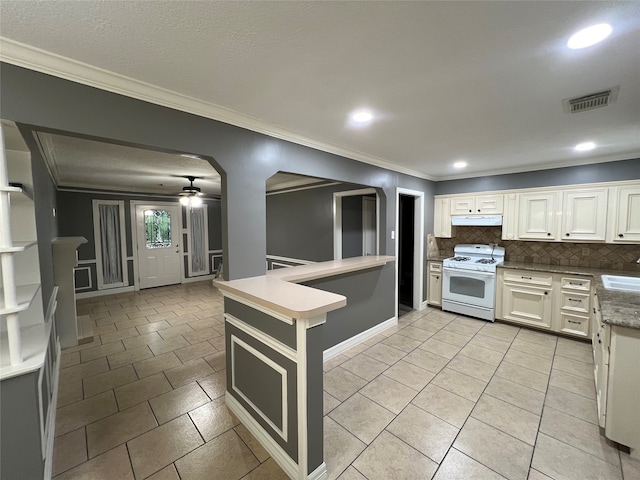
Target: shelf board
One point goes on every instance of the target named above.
(6, 188)
(34, 340)
(25, 295)
(18, 247)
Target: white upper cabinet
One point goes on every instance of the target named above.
(477, 205)
(442, 218)
(584, 215)
(537, 217)
(626, 215)
(510, 218)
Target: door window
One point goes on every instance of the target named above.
(157, 228)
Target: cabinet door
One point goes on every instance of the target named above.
(462, 205)
(442, 218)
(525, 304)
(628, 215)
(435, 288)
(584, 215)
(489, 204)
(537, 216)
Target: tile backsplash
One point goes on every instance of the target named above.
(593, 255)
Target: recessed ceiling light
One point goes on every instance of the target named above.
(460, 164)
(362, 116)
(583, 147)
(589, 36)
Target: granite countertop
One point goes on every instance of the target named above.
(438, 258)
(617, 307)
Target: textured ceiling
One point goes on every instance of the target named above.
(480, 81)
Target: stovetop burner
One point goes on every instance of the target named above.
(460, 259)
(486, 261)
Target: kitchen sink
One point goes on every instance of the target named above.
(626, 284)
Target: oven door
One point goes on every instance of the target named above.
(469, 287)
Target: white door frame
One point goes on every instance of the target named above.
(366, 212)
(418, 246)
(134, 236)
(337, 218)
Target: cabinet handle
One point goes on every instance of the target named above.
(527, 278)
(470, 211)
(620, 235)
(575, 300)
(546, 293)
(599, 341)
(575, 283)
(567, 234)
(478, 209)
(594, 310)
(571, 321)
(548, 234)
(437, 277)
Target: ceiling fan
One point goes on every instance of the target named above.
(191, 196)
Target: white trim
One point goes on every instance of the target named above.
(50, 63)
(90, 286)
(260, 308)
(88, 262)
(357, 339)
(291, 190)
(104, 293)
(418, 244)
(262, 337)
(283, 265)
(270, 445)
(199, 278)
(282, 432)
(51, 420)
(214, 252)
(337, 218)
(97, 241)
(423, 305)
(292, 260)
(319, 473)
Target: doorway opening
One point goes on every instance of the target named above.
(355, 223)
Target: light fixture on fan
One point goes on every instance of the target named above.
(191, 195)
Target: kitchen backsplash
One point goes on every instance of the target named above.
(593, 255)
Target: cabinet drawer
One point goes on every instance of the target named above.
(435, 267)
(574, 324)
(576, 302)
(576, 283)
(531, 278)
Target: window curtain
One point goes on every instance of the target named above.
(198, 247)
(110, 243)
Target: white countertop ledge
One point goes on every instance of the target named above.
(278, 289)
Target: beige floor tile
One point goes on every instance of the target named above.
(491, 343)
(342, 383)
(630, 467)
(189, 372)
(141, 312)
(536, 475)
(472, 367)
(353, 351)
(333, 362)
(452, 338)
(461, 328)
(214, 385)
(410, 375)
(507, 418)
(574, 367)
(516, 394)
(388, 457)
(542, 351)
(579, 434)
(401, 342)
(351, 474)
(385, 353)
(141, 340)
(269, 470)
(217, 361)
(167, 473)
(99, 330)
(166, 346)
(142, 390)
(458, 466)
(213, 418)
(443, 349)
(365, 366)
(559, 460)
(177, 402)
(101, 351)
(573, 404)
(224, 457)
(425, 432)
(153, 326)
(532, 362)
(329, 402)
(254, 445)
(362, 417)
(195, 351)
(428, 324)
(500, 452)
(119, 428)
(175, 331)
(129, 356)
(523, 376)
(219, 343)
(415, 333)
(119, 335)
(82, 413)
(482, 354)
(392, 395)
(581, 386)
(202, 334)
(163, 445)
(83, 370)
(427, 360)
(445, 405)
(575, 350)
(131, 323)
(153, 365)
(108, 380)
(69, 393)
(460, 384)
(109, 466)
(69, 450)
(500, 331)
(69, 359)
(340, 448)
(210, 322)
(541, 338)
(158, 317)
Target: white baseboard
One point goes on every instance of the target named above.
(319, 473)
(101, 293)
(198, 278)
(359, 338)
(423, 305)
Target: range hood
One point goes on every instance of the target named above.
(477, 220)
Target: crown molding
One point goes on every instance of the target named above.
(33, 58)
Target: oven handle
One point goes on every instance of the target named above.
(469, 273)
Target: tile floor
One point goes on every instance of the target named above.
(439, 396)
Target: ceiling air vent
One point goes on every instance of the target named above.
(591, 101)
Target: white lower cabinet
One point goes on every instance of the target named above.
(434, 291)
(527, 298)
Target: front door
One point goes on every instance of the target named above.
(158, 231)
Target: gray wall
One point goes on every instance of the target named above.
(352, 226)
(599, 172)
